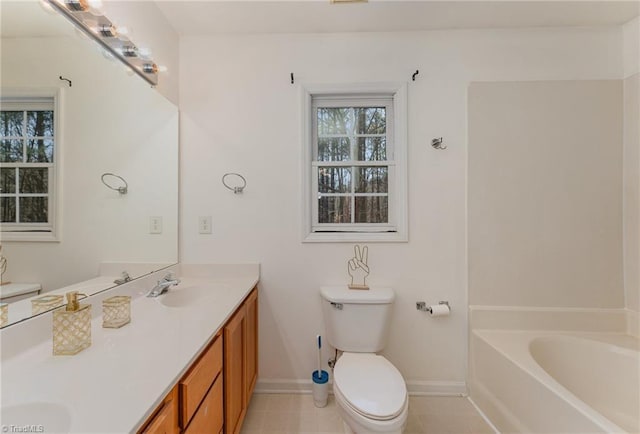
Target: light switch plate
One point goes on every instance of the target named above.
(204, 224)
(155, 225)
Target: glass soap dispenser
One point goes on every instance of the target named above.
(71, 327)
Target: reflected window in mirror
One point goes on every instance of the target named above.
(28, 184)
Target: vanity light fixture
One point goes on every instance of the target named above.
(77, 5)
(107, 31)
(130, 51)
(86, 16)
(150, 68)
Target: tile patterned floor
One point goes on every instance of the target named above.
(296, 414)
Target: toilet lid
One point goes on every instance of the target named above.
(371, 385)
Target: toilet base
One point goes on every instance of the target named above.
(358, 424)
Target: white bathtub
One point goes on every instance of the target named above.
(556, 382)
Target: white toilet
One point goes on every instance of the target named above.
(370, 392)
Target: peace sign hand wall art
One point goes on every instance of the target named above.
(358, 269)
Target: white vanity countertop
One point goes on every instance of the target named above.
(115, 384)
(8, 290)
(22, 309)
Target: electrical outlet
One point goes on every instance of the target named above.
(204, 224)
(155, 225)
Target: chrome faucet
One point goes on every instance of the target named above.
(163, 285)
(124, 279)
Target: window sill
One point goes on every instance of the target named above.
(45, 237)
(355, 237)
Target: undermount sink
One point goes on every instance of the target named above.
(49, 416)
(184, 296)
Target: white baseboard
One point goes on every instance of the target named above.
(437, 388)
(415, 388)
(633, 322)
(283, 386)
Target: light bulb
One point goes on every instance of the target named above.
(76, 5)
(129, 51)
(150, 68)
(95, 7)
(144, 53)
(107, 31)
(162, 68)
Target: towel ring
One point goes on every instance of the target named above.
(237, 189)
(121, 190)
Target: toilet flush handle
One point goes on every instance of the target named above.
(337, 305)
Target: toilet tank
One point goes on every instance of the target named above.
(356, 320)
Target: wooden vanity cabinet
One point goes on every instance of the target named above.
(251, 345)
(164, 419)
(213, 396)
(240, 362)
(201, 390)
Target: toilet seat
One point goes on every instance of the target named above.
(371, 385)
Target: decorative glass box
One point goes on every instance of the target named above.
(4, 314)
(71, 330)
(116, 311)
(46, 303)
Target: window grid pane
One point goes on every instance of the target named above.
(8, 209)
(372, 209)
(334, 209)
(33, 209)
(11, 150)
(334, 179)
(8, 181)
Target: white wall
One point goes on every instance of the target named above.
(544, 202)
(239, 112)
(631, 199)
(111, 122)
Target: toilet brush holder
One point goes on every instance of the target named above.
(320, 388)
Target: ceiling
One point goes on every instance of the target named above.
(320, 16)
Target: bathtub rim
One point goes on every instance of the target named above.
(513, 345)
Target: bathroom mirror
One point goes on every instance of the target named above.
(105, 120)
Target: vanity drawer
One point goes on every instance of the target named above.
(209, 417)
(163, 422)
(194, 386)
(165, 419)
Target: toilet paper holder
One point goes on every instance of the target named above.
(421, 305)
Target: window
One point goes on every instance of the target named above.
(28, 150)
(355, 165)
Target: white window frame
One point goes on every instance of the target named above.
(51, 231)
(397, 229)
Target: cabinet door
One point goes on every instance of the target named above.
(194, 385)
(234, 387)
(208, 418)
(166, 420)
(251, 345)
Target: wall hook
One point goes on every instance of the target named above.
(292, 78)
(413, 76)
(65, 79)
(437, 144)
